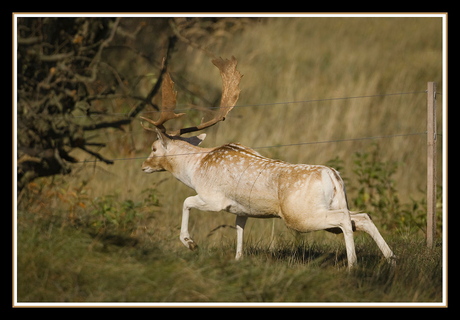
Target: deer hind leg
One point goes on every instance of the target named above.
(363, 222)
(337, 221)
(347, 228)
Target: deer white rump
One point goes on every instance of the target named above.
(237, 179)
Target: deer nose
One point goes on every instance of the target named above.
(144, 167)
(147, 169)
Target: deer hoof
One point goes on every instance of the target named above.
(189, 243)
(392, 261)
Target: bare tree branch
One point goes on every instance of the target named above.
(143, 103)
(97, 155)
(61, 68)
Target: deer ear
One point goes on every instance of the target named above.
(163, 138)
(195, 140)
(201, 137)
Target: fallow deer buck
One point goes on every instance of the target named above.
(239, 180)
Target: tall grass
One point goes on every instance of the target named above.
(297, 59)
(303, 59)
(76, 247)
(94, 236)
(62, 259)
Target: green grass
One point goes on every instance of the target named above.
(62, 259)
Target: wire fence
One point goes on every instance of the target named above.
(275, 104)
(259, 105)
(273, 146)
(431, 132)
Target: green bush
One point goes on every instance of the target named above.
(372, 189)
(110, 215)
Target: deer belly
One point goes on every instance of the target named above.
(256, 209)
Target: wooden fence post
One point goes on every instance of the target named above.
(431, 164)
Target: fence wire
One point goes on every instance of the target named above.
(267, 147)
(274, 104)
(261, 104)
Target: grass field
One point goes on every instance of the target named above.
(74, 247)
(75, 256)
(111, 233)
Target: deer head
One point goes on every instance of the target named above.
(170, 142)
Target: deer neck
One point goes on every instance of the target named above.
(183, 161)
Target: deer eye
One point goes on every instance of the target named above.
(154, 149)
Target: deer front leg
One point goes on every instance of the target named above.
(240, 222)
(190, 202)
(212, 203)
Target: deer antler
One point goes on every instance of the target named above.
(231, 78)
(168, 96)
